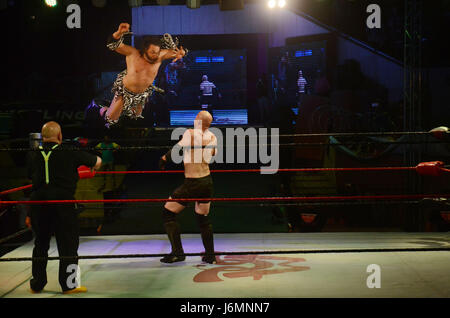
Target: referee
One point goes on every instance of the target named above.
(53, 171)
(207, 90)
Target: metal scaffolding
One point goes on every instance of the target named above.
(412, 94)
(413, 65)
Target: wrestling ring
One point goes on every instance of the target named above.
(251, 265)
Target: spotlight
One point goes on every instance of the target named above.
(51, 3)
(273, 3)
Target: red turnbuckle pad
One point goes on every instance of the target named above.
(432, 168)
(85, 172)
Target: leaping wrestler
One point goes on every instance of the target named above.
(134, 86)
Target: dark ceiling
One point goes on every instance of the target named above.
(348, 16)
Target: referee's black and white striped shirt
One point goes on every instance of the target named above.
(301, 83)
(207, 88)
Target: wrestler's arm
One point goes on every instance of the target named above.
(216, 90)
(185, 141)
(201, 91)
(176, 54)
(213, 144)
(167, 54)
(121, 48)
(126, 50)
(98, 163)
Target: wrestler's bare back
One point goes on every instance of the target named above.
(191, 168)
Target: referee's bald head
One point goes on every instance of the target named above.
(51, 131)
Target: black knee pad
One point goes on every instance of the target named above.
(203, 220)
(168, 216)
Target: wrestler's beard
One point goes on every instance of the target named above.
(149, 59)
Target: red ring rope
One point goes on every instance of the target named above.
(273, 199)
(15, 190)
(245, 170)
(263, 169)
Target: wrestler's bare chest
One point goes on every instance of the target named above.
(140, 74)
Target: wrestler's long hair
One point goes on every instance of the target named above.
(146, 42)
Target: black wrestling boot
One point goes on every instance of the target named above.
(172, 258)
(174, 234)
(210, 259)
(207, 239)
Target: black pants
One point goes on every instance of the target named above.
(207, 100)
(193, 188)
(60, 220)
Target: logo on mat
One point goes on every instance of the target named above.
(256, 266)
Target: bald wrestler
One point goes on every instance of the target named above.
(53, 171)
(198, 148)
(134, 85)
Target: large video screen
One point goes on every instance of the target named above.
(226, 69)
(287, 61)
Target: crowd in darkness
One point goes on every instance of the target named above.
(274, 103)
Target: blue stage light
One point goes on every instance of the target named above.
(206, 59)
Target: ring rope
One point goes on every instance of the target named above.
(271, 199)
(377, 134)
(243, 170)
(267, 170)
(10, 237)
(269, 204)
(324, 251)
(236, 171)
(15, 190)
(308, 144)
(335, 134)
(240, 171)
